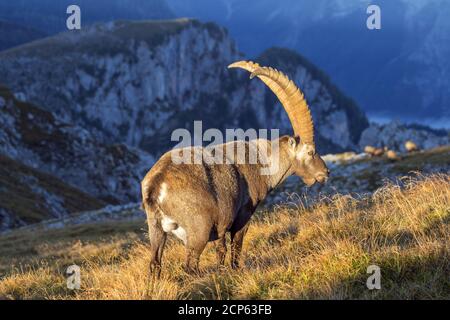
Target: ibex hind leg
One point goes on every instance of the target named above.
(195, 245)
(157, 242)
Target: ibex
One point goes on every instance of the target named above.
(202, 202)
(410, 146)
(374, 152)
(392, 155)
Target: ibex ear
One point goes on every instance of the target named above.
(292, 142)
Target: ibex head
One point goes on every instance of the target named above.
(301, 150)
(306, 162)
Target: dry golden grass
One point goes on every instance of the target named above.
(289, 253)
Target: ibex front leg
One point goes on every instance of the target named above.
(237, 238)
(221, 251)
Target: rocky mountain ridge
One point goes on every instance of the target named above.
(49, 16)
(12, 35)
(135, 82)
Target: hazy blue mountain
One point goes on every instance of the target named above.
(50, 15)
(401, 71)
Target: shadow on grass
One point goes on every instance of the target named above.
(407, 277)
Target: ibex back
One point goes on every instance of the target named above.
(202, 202)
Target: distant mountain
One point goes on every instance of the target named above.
(400, 71)
(49, 16)
(135, 82)
(12, 35)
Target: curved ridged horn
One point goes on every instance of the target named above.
(289, 95)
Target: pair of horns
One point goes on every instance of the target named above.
(289, 95)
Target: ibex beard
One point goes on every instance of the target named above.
(201, 201)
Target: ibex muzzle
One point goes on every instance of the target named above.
(202, 202)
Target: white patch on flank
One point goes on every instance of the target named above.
(162, 192)
(181, 234)
(170, 225)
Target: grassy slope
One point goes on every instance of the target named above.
(322, 252)
(19, 195)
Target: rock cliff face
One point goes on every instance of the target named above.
(52, 169)
(36, 139)
(135, 82)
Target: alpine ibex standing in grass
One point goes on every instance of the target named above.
(202, 202)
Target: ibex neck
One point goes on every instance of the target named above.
(275, 165)
(282, 165)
